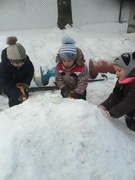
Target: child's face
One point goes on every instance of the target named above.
(18, 65)
(67, 63)
(120, 72)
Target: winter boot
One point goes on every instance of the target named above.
(130, 122)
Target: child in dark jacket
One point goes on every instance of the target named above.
(71, 72)
(122, 100)
(16, 72)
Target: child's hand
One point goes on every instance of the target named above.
(105, 113)
(102, 107)
(72, 94)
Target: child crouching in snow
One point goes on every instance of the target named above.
(122, 100)
(16, 72)
(71, 73)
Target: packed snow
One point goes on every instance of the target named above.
(48, 137)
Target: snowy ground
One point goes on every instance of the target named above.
(47, 137)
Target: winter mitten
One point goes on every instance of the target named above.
(64, 91)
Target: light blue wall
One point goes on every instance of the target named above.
(98, 11)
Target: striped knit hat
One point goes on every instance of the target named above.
(68, 50)
(15, 51)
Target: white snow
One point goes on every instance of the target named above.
(47, 137)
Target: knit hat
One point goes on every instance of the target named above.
(15, 51)
(68, 49)
(126, 61)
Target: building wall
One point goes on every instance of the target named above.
(98, 11)
(38, 14)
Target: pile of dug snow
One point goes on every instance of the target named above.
(52, 138)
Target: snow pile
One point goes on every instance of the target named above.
(64, 139)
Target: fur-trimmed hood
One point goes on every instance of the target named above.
(80, 57)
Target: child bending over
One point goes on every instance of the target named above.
(71, 72)
(122, 100)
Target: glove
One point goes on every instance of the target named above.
(105, 113)
(64, 91)
(22, 98)
(72, 94)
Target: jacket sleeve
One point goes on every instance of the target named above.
(126, 105)
(110, 102)
(59, 79)
(29, 74)
(82, 81)
(10, 88)
(118, 108)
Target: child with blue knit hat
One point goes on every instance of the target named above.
(68, 50)
(71, 73)
(122, 100)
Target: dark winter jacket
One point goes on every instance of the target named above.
(122, 100)
(75, 78)
(10, 75)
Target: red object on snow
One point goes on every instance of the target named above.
(100, 67)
